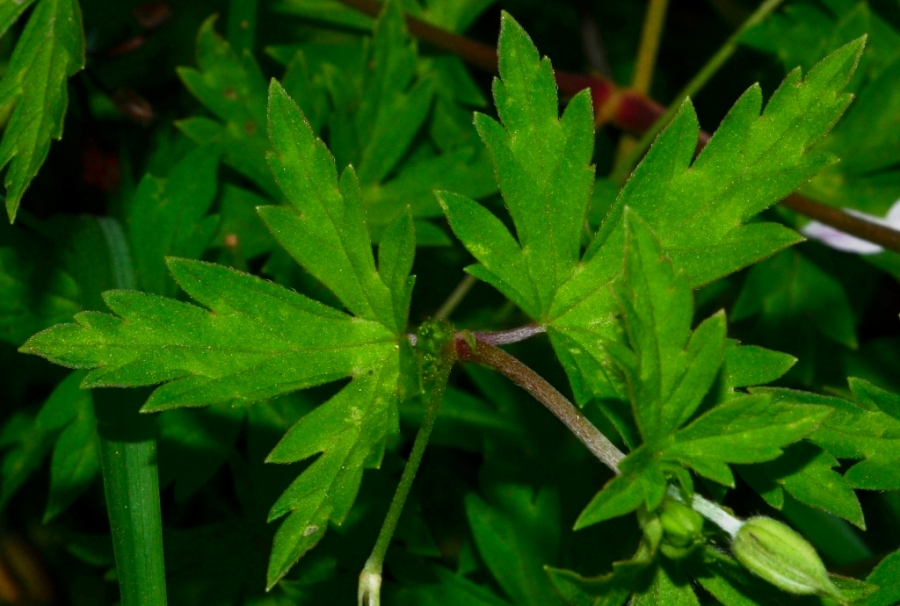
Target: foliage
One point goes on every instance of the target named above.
(243, 271)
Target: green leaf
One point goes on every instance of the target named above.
(668, 588)
(259, 340)
(602, 590)
(516, 535)
(35, 290)
(669, 368)
(750, 163)
(256, 341)
(699, 208)
(347, 430)
(748, 429)
(325, 230)
(790, 292)
(886, 577)
(233, 89)
(807, 473)
(866, 138)
(75, 463)
(390, 113)
(873, 397)
(544, 172)
(855, 431)
(50, 49)
(31, 439)
(10, 13)
(168, 217)
(240, 229)
(749, 365)
(642, 481)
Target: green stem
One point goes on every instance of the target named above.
(459, 293)
(128, 461)
(649, 46)
(624, 168)
(242, 24)
(370, 579)
(131, 485)
(645, 62)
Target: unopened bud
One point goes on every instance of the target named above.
(782, 557)
(681, 524)
(682, 528)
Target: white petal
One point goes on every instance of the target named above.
(893, 216)
(839, 240)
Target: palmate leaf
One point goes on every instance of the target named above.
(50, 50)
(669, 370)
(256, 340)
(377, 127)
(699, 209)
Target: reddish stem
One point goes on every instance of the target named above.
(543, 392)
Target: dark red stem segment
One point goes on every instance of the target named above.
(543, 392)
(630, 111)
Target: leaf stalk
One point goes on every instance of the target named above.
(520, 374)
(369, 593)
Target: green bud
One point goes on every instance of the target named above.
(782, 557)
(682, 525)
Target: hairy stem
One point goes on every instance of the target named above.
(513, 335)
(574, 419)
(369, 593)
(543, 392)
(711, 511)
(624, 168)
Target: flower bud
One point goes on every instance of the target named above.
(682, 525)
(782, 557)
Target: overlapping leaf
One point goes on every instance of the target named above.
(699, 208)
(35, 292)
(867, 431)
(168, 217)
(233, 89)
(50, 50)
(867, 138)
(668, 370)
(257, 340)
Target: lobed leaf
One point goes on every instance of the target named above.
(346, 430)
(543, 169)
(326, 228)
(256, 341)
